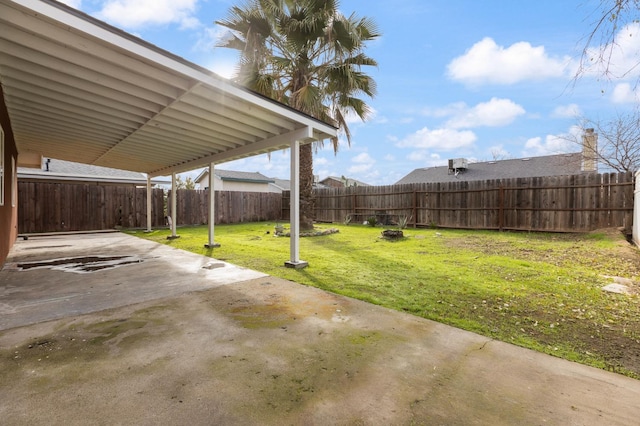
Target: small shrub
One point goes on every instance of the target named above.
(372, 221)
(347, 219)
(403, 221)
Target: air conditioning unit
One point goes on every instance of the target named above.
(458, 164)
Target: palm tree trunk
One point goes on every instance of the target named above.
(307, 201)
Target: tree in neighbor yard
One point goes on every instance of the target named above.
(618, 141)
(185, 184)
(614, 30)
(305, 54)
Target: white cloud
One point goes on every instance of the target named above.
(389, 157)
(320, 161)
(372, 176)
(321, 172)
(566, 111)
(623, 93)
(553, 144)
(208, 38)
(76, 4)
(487, 63)
(140, 13)
(495, 113)
(426, 158)
(438, 139)
(363, 162)
(363, 158)
(360, 168)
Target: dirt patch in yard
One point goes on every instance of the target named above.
(602, 327)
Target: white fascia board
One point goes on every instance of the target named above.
(204, 174)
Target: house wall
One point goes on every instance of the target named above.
(332, 183)
(227, 185)
(8, 211)
(230, 185)
(274, 189)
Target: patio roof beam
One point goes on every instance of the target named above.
(282, 141)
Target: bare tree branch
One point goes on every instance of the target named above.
(600, 44)
(618, 142)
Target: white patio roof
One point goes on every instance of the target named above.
(80, 90)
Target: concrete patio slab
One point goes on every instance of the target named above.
(56, 276)
(269, 351)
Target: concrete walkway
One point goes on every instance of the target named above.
(136, 344)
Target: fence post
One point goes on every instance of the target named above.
(501, 208)
(355, 207)
(415, 209)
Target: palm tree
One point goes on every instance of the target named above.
(306, 54)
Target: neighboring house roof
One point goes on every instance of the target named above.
(282, 184)
(234, 176)
(549, 165)
(60, 170)
(350, 181)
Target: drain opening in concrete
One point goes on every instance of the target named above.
(84, 264)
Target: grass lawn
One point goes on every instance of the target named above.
(540, 291)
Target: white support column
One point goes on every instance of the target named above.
(212, 208)
(294, 209)
(148, 204)
(173, 219)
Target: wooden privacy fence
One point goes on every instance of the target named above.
(230, 206)
(57, 207)
(577, 203)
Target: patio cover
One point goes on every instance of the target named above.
(81, 90)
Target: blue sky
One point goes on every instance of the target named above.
(456, 78)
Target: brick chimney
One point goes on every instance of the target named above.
(589, 151)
